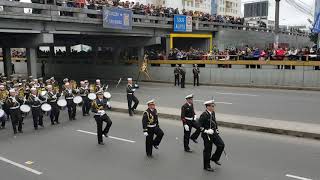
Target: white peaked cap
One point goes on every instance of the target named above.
(189, 96)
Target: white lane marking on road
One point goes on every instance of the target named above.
(237, 94)
(199, 100)
(112, 137)
(20, 166)
(297, 177)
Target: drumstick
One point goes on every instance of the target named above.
(118, 82)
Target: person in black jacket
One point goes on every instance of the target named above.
(69, 95)
(150, 125)
(188, 118)
(98, 107)
(34, 101)
(13, 103)
(183, 76)
(131, 97)
(53, 96)
(196, 75)
(176, 75)
(210, 135)
(84, 91)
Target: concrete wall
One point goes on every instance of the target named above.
(237, 75)
(236, 38)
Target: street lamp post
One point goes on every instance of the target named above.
(276, 28)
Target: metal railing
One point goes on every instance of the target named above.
(45, 12)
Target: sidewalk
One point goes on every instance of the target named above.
(297, 129)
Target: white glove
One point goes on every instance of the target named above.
(195, 117)
(133, 90)
(186, 127)
(54, 96)
(108, 104)
(36, 99)
(209, 131)
(145, 134)
(101, 112)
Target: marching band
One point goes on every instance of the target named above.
(18, 97)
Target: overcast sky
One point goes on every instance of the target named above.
(288, 14)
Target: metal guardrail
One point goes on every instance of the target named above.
(233, 62)
(44, 12)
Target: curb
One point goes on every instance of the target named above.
(245, 86)
(293, 133)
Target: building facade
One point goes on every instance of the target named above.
(229, 8)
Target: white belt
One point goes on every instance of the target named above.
(14, 107)
(35, 106)
(70, 98)
(54, 101)
(187, 118)
(130, 93)
(154, 125)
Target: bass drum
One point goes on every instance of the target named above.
(107, 95)
(46, 107)
(92, 96)
(77, 99)
(1, 113)
(25, 108)
(62, 102)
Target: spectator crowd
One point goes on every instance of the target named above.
(143, 9)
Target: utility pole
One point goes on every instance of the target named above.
(276, 28)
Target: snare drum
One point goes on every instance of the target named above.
(1, 113)
(77, 99)
(107, 95)
(62, 102)
(25, 108)
(46, 107)
(92, 96)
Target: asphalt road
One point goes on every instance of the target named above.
(64, 152)
(288, 105)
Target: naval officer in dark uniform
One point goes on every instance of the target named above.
(196, 75)
(131, 97)
(150, 125)
(210, 136)
(188, 118)
(176, 72)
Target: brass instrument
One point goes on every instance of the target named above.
(95, 106)
(73, 84)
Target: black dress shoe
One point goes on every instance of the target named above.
(58, 122)
(20, 131)
(217, 163)
(188, 150)
(130, 114)
(52, 123)
(194, 140)
(209, 169)
(105, 134)
(101, 143)
(157, 147)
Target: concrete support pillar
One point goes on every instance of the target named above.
(167, 47)
(116, 55)
(52, 61)
(68, 49)
(140, 54)
(7, 63)
(95, 53)
(32, 62)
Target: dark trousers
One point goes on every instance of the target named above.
(195, 79)
(182, 81)
(130, 98)
(3, 120)
(151, 141)
(99, 120)
(71, 109)
(85, 105)
(16, 119)
(208, 140)
(176, 80)
(195, 135)
(37, 117)
(55, 112)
